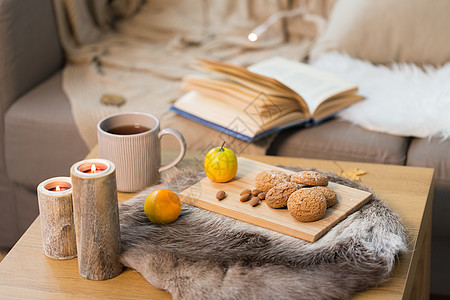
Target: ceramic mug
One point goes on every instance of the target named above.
(131, 140)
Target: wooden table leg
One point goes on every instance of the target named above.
(419, 272)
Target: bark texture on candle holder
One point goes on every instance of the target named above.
(57, 225)
(97, 223)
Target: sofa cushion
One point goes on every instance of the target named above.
(340, 140)
(435, 153)
(431, 153)
(386, 31)
(41, 135)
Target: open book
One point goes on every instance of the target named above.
(268, 96)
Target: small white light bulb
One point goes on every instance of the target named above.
(252, 37)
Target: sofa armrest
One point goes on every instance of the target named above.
(30, 52)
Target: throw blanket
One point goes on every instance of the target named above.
(401, 99)
(203, 255)
(140, 51)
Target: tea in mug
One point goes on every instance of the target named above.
(128, 129)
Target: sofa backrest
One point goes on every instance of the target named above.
(386, 31)
(30, 50)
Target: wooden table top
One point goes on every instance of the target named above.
(27, 273)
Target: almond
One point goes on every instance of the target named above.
(221, 195)
(245, 197)
(254, 201)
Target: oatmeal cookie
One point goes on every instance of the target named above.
(307, 205)
(330, 195)
(266, 180)
(278, 196)
(311, 178)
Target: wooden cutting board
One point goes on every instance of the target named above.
(203, 194)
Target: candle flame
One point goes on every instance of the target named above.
(58, 189)
(93, 169)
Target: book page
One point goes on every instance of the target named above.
(216, 87)
(258, 82)
(312, 84)
(244, 77)
(247, 122)
(330, 107)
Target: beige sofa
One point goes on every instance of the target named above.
(40, 140)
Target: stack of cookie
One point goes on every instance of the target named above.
(304, 193)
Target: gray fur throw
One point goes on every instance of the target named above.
(204, 255)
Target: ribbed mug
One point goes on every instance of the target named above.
(131, 140)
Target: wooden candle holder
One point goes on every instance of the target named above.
(56, 214)
(96, 216)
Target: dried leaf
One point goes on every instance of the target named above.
(354, 174)
(113, 99)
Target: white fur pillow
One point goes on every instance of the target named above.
(385, 31)
(401, 99)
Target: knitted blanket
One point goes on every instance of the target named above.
(204, 255)
(139, 50)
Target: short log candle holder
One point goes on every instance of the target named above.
(96, 216)
(56, 214)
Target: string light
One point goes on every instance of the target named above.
(252, 37)
(259, 30)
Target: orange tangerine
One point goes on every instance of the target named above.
(162, 206)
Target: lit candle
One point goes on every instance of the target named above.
(96, 216)
(58, 186)
(92, 168)
(56, 215)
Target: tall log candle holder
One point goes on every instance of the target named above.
(56, 214)
(96, 216)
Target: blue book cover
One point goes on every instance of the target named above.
(241, 136)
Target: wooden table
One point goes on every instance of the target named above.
(27, 273)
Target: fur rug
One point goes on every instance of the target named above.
(401, 99)
(204, 255)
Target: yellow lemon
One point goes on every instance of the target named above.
(220, 164)
(162, 206)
